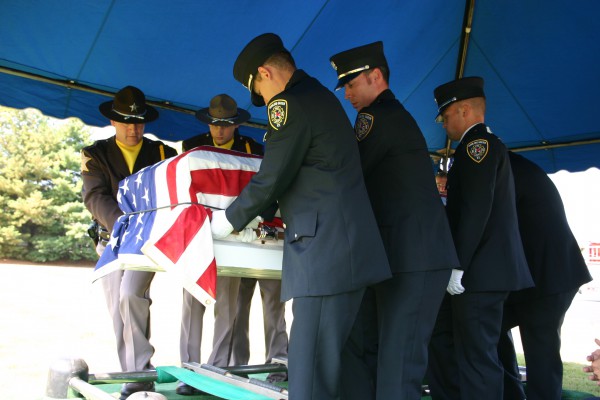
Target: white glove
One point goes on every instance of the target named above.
(219, 225)
(247, 235)
(454, 285)
(254, 223)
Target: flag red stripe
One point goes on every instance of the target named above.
(208, 280)
(225, 182)
(174, 242)
(224, 151)
(172, 179)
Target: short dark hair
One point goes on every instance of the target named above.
(283, 60)
(385, 72)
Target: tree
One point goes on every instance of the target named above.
(42, 215)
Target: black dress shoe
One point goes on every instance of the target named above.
(133, 387)
(276, 377)
(183, 389)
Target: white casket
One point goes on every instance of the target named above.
(258, 259)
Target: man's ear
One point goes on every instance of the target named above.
(464, 108)
(376, 74)
(264, 71)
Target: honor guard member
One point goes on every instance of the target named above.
(223, 118)
(558, 270)
(103, 165)
(483, 219)
(332, 248)
(412, 221)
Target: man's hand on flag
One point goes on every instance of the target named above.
(219, 225)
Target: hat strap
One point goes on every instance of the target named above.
(249, 85)
(230, 120)
(444, 104)
(340, 76)
(127, 116)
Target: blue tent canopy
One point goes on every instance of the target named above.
(539, 60)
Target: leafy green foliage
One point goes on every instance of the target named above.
(42, 216)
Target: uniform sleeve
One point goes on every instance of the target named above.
(478, 181)
(284, 153)
(97, 191)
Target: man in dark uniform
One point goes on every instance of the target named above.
(558, 270)
(223, 118)
(103, 165)
(483, 219)
(411, 218)
(332, 248)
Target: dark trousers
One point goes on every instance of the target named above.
(469, 335)
(539, 319)
(320, 331)
(395, 325)
(406, 307)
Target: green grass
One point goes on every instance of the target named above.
(573, 378)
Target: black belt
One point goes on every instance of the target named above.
(103, 234)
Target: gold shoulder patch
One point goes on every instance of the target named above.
(477, 149)
(84, 161)
(277, 113)
(363, 125)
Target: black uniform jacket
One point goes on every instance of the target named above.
(241, 143)
(312, 167)
(103, 167)
(401, 185)
(483, 217)
(552, 253)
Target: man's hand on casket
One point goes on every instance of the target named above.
(219, 225)
(454, 285)
(254, 223)
(247, 235)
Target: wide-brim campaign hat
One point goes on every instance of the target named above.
(222, 111)
(256, 52)
(351, 63)
(458, 89)
(129, 107)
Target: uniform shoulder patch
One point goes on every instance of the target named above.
(278, 112)
(477, 149)
(363, 125)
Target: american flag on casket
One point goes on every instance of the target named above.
(166, 226)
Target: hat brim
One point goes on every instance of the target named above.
(204, 116)
(347, 78)
(257, 100)
(107, 110)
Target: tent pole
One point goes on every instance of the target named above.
(549, 146)
(464, 38)
(69, 84)
(462, 53)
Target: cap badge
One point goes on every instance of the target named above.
(363, 125)
(133, 107)
(84, 161)
(277, 113)
(477, 149)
